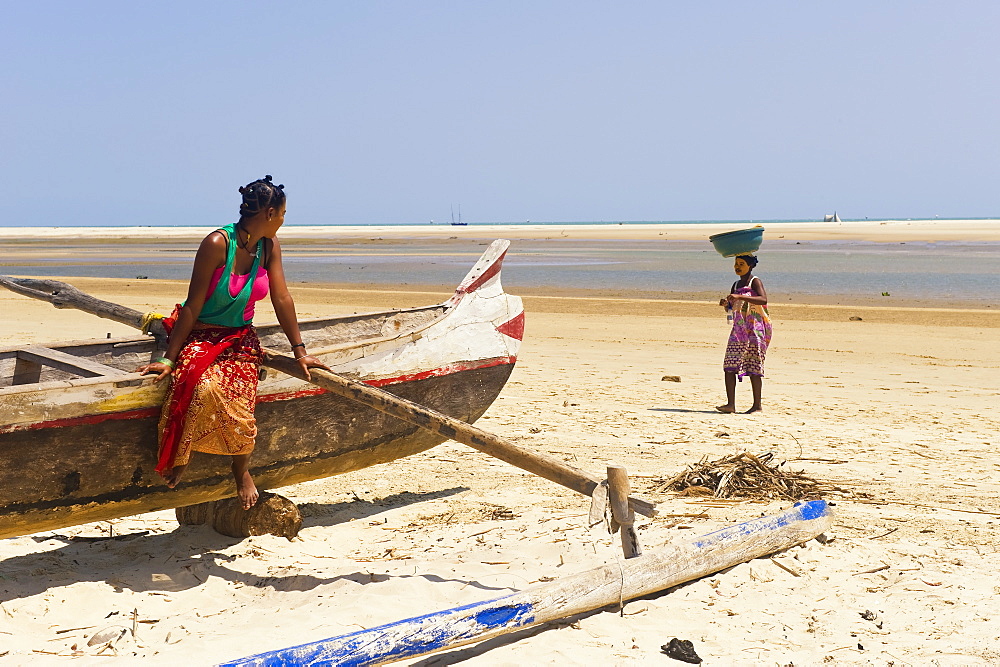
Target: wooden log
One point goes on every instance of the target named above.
(63, 295)
(618, 492)
(586, 591)
(271, 515)
(195, 515)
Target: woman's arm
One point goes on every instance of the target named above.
(284, 308)
(759, 296)
(211, 255)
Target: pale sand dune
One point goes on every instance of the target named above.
(898, 411)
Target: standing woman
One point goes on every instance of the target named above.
(213, 353)
(751, 334)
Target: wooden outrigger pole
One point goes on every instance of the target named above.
(540, 464)
(62, 295)
(609, 584)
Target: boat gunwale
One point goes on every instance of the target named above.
(138, 380)
(80, 342)
(274, 327)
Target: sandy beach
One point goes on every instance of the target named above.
(895, 405)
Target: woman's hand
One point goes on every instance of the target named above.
(724, 301)
(161, 369)
(308, 361)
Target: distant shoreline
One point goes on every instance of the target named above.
(969, 230)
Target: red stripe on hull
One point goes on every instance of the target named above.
(141, 413)
(438, 372)
(493, 270)
(513, 327)
(290, 395)
(144, 413)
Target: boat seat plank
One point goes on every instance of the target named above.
(69, 363)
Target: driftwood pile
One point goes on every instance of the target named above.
(744, 475)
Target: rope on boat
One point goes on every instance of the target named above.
(147, 321)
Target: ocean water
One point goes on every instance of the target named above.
(941, 271)
(445, 223)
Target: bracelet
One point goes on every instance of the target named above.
(166, 362)
(302, 345)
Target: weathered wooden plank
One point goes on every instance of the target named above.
(586, 591)
(26, 371)
(67, 362)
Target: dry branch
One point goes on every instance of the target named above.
(745, 476)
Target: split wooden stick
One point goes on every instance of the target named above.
(618, 492)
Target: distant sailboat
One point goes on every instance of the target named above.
(459, 223)
(831, 218)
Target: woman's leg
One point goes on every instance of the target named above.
(755, 384)
(245, 488)
(730, 406)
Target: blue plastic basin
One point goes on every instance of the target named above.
(740, 242)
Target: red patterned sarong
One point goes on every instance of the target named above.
(210, 404)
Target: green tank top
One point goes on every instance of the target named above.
(221, 308)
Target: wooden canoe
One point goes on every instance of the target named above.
(78, 426)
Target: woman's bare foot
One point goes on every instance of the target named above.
(246, 490)
(174, 475)
(753, 409)
(727, 408)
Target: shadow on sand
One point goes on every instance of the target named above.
(184, 558)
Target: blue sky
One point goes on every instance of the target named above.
(125, 113)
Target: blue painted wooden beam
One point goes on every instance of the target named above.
(586, 591)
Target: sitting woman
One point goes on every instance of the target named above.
(213, 354)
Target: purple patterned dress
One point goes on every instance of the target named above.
(750, 336)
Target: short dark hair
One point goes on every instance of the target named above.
(749, 259)
(259, 195)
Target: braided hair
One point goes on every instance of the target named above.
(260, 195)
